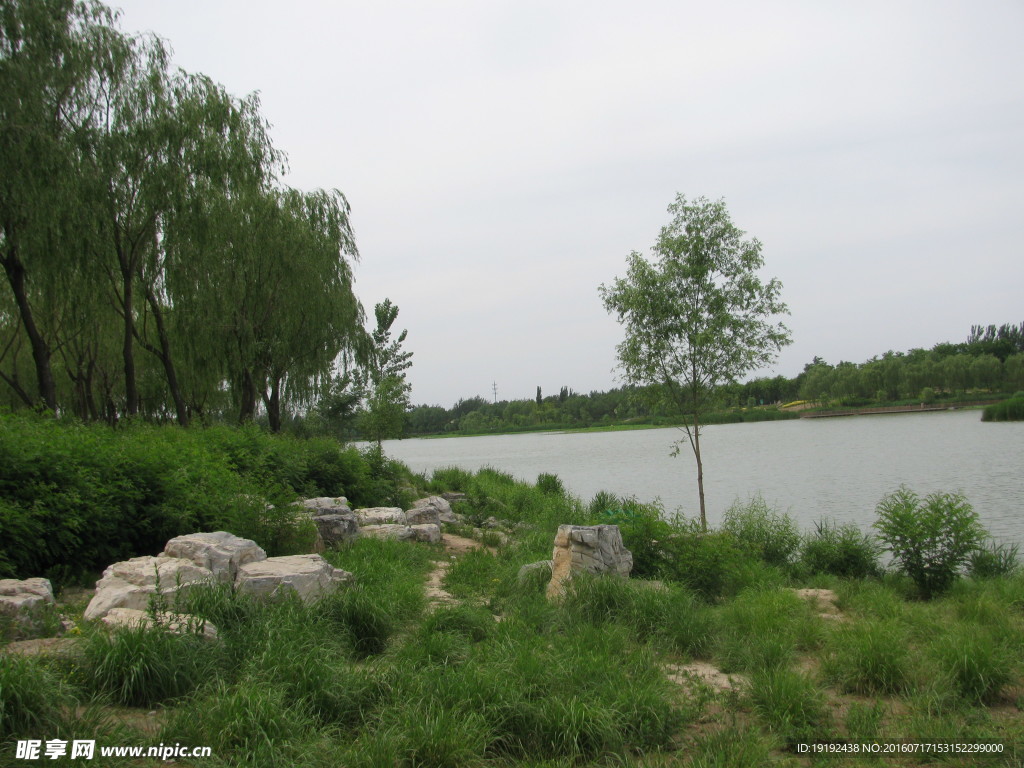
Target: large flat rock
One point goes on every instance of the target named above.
(134, 583)
(309, 576)
(219, 552)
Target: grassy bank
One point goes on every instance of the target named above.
(611, 675)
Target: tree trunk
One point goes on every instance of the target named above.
(164, 354)
(700, 470)
(128, 348)
(273, 404)
(15, 270)
(247, 397)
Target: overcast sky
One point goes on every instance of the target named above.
(503, 158)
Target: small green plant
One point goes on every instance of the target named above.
(979, 666)
(930, 538)
(365, 621)
(708, 562)
(994, 559)
(789, 703)
(550, 483)
(763, 531)
(869, 657)
(839, 550)
(644, 532)
(142, 666)
(31, 697)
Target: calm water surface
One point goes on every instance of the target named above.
(837, 468)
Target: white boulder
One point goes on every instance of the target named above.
(309, 576)
(133, 583)
(220, 552)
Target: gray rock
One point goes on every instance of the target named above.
(326, 505)
(335, 529)
(133, 583)
(427, 532)
(381, 516)
(220, 552)
(23, 600)
(309, 576)
(433, 509)
(452, 496)
(388, 531)
(590, 548)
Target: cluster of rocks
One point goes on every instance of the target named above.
(337, 523)
(131, 591)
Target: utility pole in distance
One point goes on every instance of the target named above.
(494, 388)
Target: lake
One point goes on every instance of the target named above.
(837, 468)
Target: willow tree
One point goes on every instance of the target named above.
(699, 316)
(52, 54)
(165, 137)
(267, 287)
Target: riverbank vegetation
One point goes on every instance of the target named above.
(1011, 409)
(706, 656)
(985, 367)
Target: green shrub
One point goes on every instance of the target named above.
(450, 479)
(475, 624)
(932, 538)
(549, 483)
(708, 562)
(762, 531)
(839, 550)
(250, 721)
(644, 532)
(1008, 410)
(142, 666)
(31, 698)
(993, 559)
(869, 657)
(789, 703)
(978, 665)
(362, 617)
(763, 628)
(742, 748)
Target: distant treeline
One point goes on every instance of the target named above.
(991, 360)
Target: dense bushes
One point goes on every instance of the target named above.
(1008, 410)
(75, 498)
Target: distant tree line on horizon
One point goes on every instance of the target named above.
(991, 360)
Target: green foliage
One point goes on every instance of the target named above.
(931, 538)
(699, 316)
(869, 656)
(731, 748)
(644, 531)
(1008, 410)
(789, 703)
(142, 666)
(75, 498)
(475, 624)
(979, 666)
(710, 563)
(994, 559)
(762, 531)
(839, 550)
(362, 617)
(763, 628)
(550, 483)
(31, 697)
